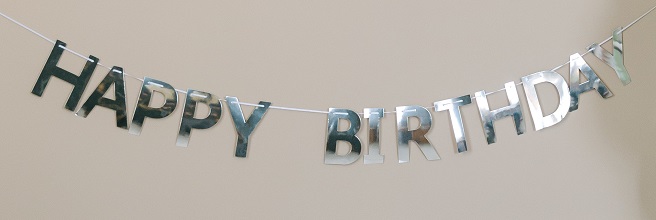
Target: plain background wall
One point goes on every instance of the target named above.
(598, 163)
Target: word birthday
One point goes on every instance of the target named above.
(568, 101)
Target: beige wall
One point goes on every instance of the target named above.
(596, 164)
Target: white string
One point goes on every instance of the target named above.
(279, 107)
(290, 108)
(298, 109)
(27, 28)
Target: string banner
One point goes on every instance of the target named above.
(569, 92)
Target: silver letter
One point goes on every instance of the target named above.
(143, 109)
(404, 134)
(489, 117)
(244, 128)
(188, 121)
(557, 80)
(51, 69)
(576, 64)
(615, 60)
(331, 157)
(453, 106)
(115, 76)
(374, 115)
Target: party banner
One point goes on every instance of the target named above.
(568, 91)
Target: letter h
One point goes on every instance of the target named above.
(51, 69)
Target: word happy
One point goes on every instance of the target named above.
(568, 101)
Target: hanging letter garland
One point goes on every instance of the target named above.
(568, 93)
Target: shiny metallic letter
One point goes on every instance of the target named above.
(489, 117)
(51, 69)
(188, 120)
(615, 60)
(453, 106)
(557, 80)
(577, 65)
(331, 157)
(244, 128)
(115, 76)
(143, 109)
(404, 134)
(374, 115)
